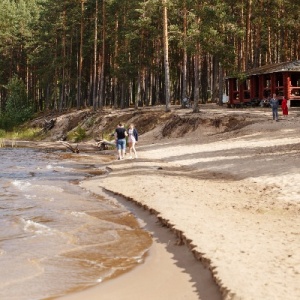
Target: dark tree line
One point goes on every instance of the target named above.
(95, 53)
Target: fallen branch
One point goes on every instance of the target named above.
(48, 125)
(74, 150)
(104, 144)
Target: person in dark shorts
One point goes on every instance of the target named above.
(120, 136)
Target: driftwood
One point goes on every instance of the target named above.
(104, 144)
(59, 145)
(70, 147)
(48, 125)
(30, 144)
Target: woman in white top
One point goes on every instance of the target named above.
(132, 139)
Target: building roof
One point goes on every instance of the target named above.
(291, 66)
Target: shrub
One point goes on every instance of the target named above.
(77, 135)
(2, 133)
(18, 108)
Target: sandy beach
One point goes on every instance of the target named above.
(232, 198)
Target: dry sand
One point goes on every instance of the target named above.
(233, 198)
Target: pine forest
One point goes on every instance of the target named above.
(65, 54)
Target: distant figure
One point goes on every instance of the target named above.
(132, 139)
(264, 102)
(274, 104)
(120, 136)
(186, 102)
(284, 107)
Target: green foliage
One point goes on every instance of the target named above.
(26, 134)
(43, 41)
(4, 121)
(17, 109)
(20, 134)
(77, 135)
(108, 136)
(2, 133)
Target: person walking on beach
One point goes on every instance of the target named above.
(284, 107)
(120, 136)
(274, 104)
(132, 139)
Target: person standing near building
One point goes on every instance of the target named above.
(132, 139)
(274, 104)
(120, 136)
(284, 107)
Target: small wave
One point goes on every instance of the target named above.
(29, 197)
(62, 167)
(37, 228)
(21, 184)
(139, 259)
(78, 214)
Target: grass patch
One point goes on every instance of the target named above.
(77, 135)
(108, 136)
(28, 134)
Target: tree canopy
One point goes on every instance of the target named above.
(96, 53)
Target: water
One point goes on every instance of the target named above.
(56, 237)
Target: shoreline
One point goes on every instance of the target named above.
(169, 271)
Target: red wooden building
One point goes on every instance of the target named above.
(260, 83)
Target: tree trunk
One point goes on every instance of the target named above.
(79, 102)
(122, 102)
(166, 55)
(184, 62)
(215, 86)
(137, 91)
(204, 79)
(248, 53)
(62, 103)
(101, 70)
(221, 84)
(115, 79)
(196, 78)
(95, 96)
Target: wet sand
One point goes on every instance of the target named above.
(170, 271)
